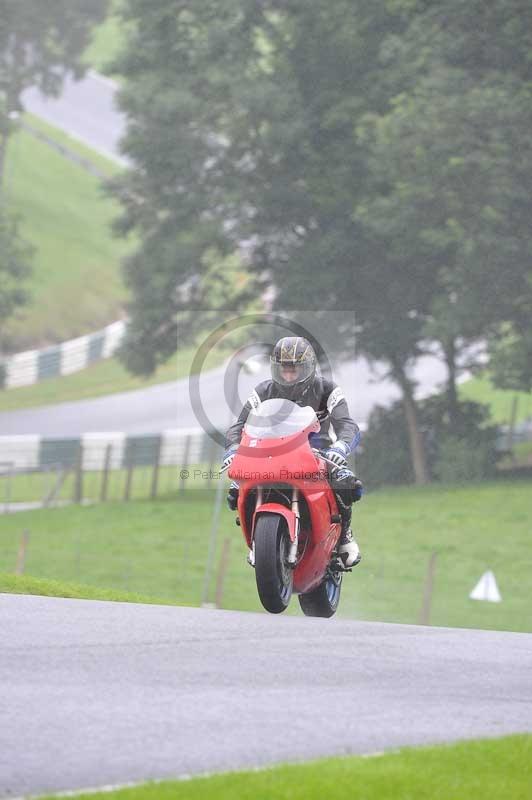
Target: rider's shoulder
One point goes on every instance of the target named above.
(259, 393)
(263, 388)
(332, 394)
(328, 387)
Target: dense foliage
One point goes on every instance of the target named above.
(457, 451)
(15, 261)
(372, 157)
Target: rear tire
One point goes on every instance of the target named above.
(324, 600)
(273, 574)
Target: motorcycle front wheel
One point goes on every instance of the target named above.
(273, 574)
(323, 601)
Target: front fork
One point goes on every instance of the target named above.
(292, 553)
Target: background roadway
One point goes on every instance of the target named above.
(168, 405)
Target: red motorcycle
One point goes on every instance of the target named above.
(287, 510)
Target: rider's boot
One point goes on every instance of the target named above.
(348, 549)
(232, 496)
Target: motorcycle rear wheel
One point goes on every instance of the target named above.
(273, 574)
(324, 600)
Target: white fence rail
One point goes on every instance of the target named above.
(31, 366)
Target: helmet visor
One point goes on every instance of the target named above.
(290, 374)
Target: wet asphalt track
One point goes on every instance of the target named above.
(95, 693)
(169, 405)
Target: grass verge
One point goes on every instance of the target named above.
(108, 39)
(159, 549)
(492, 769)
(500, 401)
(75, 146)
(76, 285)
(22, 584)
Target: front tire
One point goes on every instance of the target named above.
(324, 600)
(273, 574)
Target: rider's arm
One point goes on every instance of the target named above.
(344, 425)
(234, 433)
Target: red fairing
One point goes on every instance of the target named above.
(289, 460)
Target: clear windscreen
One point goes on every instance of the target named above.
(277, 418)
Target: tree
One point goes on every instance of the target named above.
(454, 160)
(266, 113)
(241, 129)
(40, 44)
(15, 257)
(362, 151)
(510, 365)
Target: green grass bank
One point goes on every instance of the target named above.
(160, 549)
(22, 584)
(76, 285)
(500, 401)
(107, 40)
(497, 769)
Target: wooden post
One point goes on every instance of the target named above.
(105, 473)
(424, 617)
(222, 569)
(130, 468)
(54, 491)
(22, 550)
(78, 478)
(156, 466)
(184, 467)
(212, 459)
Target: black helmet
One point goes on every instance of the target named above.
(296, 355)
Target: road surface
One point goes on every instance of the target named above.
(95, 693)
(86, 110)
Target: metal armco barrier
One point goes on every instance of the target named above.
(102, 466)
(31, 366)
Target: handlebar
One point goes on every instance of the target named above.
(320, 455)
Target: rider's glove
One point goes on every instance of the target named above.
(337, 453)
(229, 454)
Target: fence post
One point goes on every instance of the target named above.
(212, 459)
(424, 617)
(56, 488)
(22, 550)
(130, 468)
(78, 479)
(185, 464)
(156, 465)
(105, 473)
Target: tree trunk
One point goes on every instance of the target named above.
(452, 395)
(417, 450)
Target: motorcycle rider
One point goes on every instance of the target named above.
(294, 377)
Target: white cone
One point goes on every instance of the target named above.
(487, 589)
